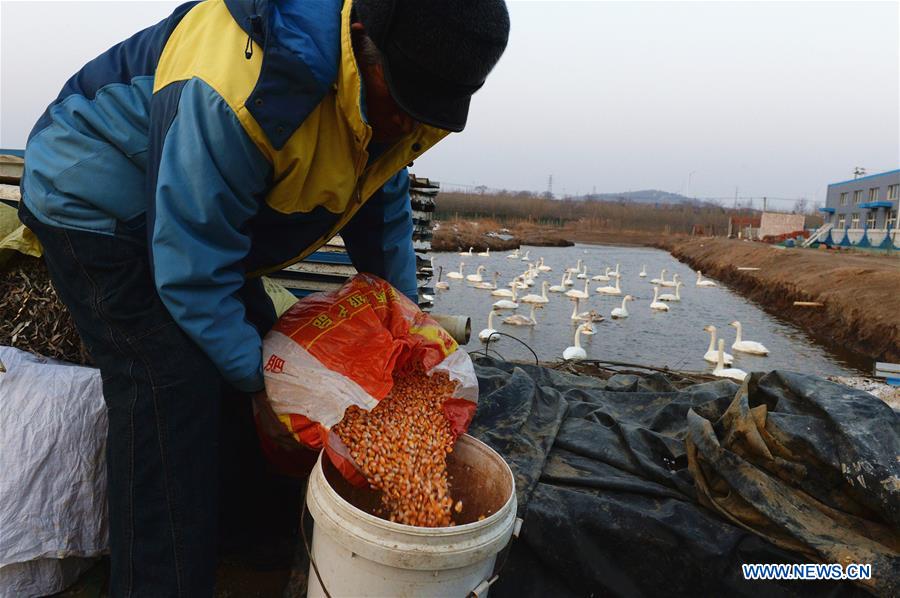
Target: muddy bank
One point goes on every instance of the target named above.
(860, 293)
(459, 235)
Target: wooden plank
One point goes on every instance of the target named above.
(808, 304)
(882, 366)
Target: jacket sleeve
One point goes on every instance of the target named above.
(208, 176)
(379, 237)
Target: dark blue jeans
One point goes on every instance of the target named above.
(164, 401)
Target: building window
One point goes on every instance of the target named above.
(870, 219)
(857, 196)
(854, 219)
(894, 192)
(873, 194)
(842, 221)
(844, 199)
(891, 221)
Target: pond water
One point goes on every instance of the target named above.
(673, 339)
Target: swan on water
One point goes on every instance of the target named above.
(670, 283)
(622, 312)
(520, 320)
(576, 294)
(747, 346)
(457, 275)
(721, 371)
(670, 296)
(542, 298)
(712, 354)
(661, 279)
(507, 303)
(583, 274)
(477, 276)
(544, 268)
(524, 258)
(603, 277)
(504, 292)
(441, 286)
(616, 272)
(643, 273)
(488, 332)
(489, 286)
(704, 283)
(588, 328)
(585, 316)
(576, 269)
(485, 253)
(608, 290)
(561, 287)
(657, 304)
(467, 253)
(568, 281)
(576, 353)
(514, 255)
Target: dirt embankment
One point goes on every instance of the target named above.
(860, 293)
(459, 235)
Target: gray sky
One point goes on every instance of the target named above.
(776, 98)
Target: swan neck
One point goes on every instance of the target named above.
(578, 337)
(738, 337)
(712, 341)
(720, 358)
(491, 319)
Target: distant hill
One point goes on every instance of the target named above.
(645, 196)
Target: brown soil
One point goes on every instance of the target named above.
(459, 235)
(860, 293)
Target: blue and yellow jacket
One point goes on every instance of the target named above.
(235, 131)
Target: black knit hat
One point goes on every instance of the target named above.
(437, 53)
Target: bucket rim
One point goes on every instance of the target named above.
(444, 531)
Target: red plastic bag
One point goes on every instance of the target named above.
(333, 350)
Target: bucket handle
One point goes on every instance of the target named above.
(482, 588)
(308, 550)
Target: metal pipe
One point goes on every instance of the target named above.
(459, 327)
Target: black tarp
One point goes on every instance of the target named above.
(630, 487)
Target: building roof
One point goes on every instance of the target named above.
(868, 176)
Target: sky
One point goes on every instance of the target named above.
(774, 99)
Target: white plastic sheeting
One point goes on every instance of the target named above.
(53, 482)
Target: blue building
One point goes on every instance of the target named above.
(863, 211)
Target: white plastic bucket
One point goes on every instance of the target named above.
(359, 554)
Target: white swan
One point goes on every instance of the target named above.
(603, 277)
(544, 268)
(507, 303)
(568, 281)
(661, 279)
(524, 258)
(616, 272)
(670, 283)
(561, 287)
(622, 312)
(585, 316)
(588, 328)
(514, 255)
(643, 273)
(657, 304)
(712, 354)
(747, 346)
(457, 275)
(608, 290)
(485, 253)
(721, 371)
(575, 353)
(704, 283)
(441, 286)
(670, 296)
(489, 286)
(576, 294)
(542, 298)
(477, 276)
(467, 253)
(488, 332)
(583, 274)
(576, 269)
(520, 320)
(503, 292)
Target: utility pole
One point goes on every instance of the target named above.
(764, 203)
(735, 197)
(550, 186)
